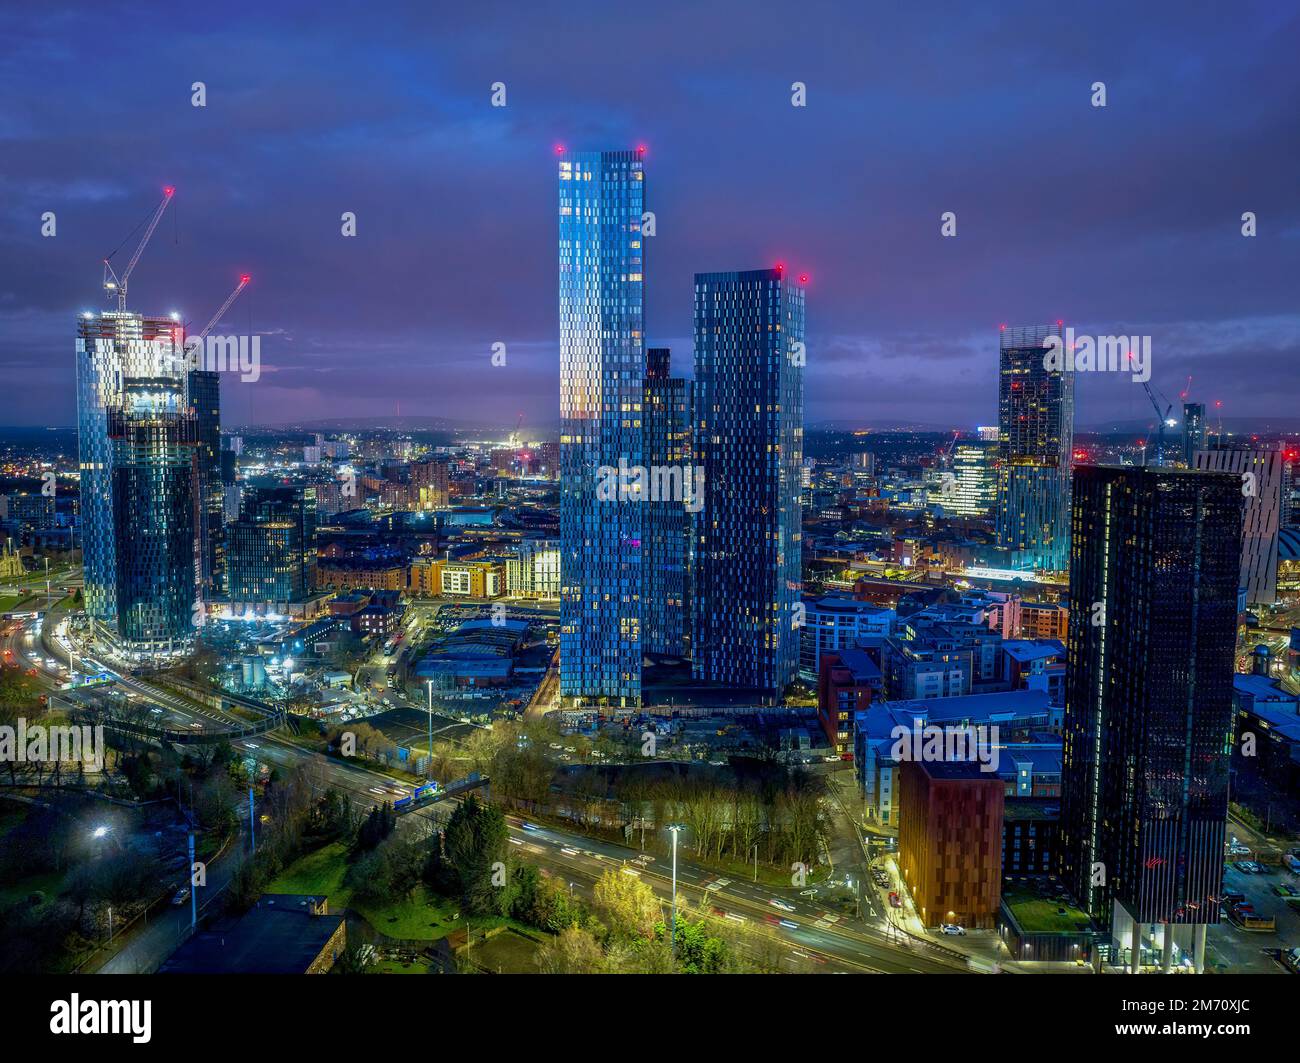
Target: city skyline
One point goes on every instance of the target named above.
(804, 622)
(1135, 241)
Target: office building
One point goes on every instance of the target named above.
(973, 489)
(602, 355)
(1152, 634)
(1035, 436)
(749, 357)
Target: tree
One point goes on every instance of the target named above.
(628, 905)
(572, 951)
(476, 842)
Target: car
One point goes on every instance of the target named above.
(953, 930)
(1233, 897)
(894, 901)
(783, 905)
(181, 896)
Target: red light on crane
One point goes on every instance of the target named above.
(559, 149)
(244, 278)
(803, 278)
(169, 190)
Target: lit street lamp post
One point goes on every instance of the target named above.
(674, 830)
(428, 759)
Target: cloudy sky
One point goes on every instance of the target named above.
(1122, 219)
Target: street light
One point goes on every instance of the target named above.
(428, 760)
(674, 829)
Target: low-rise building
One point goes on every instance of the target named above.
(950, 841)
(281, 934)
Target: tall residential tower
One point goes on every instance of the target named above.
(138, 435)
(1035, 437)
(602, 353)
(1148, 703)
(749, 358)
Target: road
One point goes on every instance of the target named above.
(825, 939)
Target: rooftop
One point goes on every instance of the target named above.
(277, 936)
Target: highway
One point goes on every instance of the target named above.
(816, 937)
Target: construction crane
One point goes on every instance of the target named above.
(243, 283)
(117, 284)
(514, 436)
(1163, 420)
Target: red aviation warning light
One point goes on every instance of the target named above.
(559, 149)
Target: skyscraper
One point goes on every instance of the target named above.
(138, 439)
(1148, 709)
(666, 416)
(1035, 437)
(1193, 431)
(749, 330)
(205, 395)
(602, 351)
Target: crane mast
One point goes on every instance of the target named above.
(115, 283)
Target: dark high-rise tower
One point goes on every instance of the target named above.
(1035, 437)
(1193, 431)
(749, 357)
(272, 546)
(602, 357)
(666, 419)
(1148, 711)
(205, 395)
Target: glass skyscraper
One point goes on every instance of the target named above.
(1035, 439)
(138, 439)
(749, 330)
(602, 353)
(1148, 706)
(973, 489)
(666, 409)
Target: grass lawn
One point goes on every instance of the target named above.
(507, 953)
(1038, 915)
(49, 883)
(424, 916)
(10, 602)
